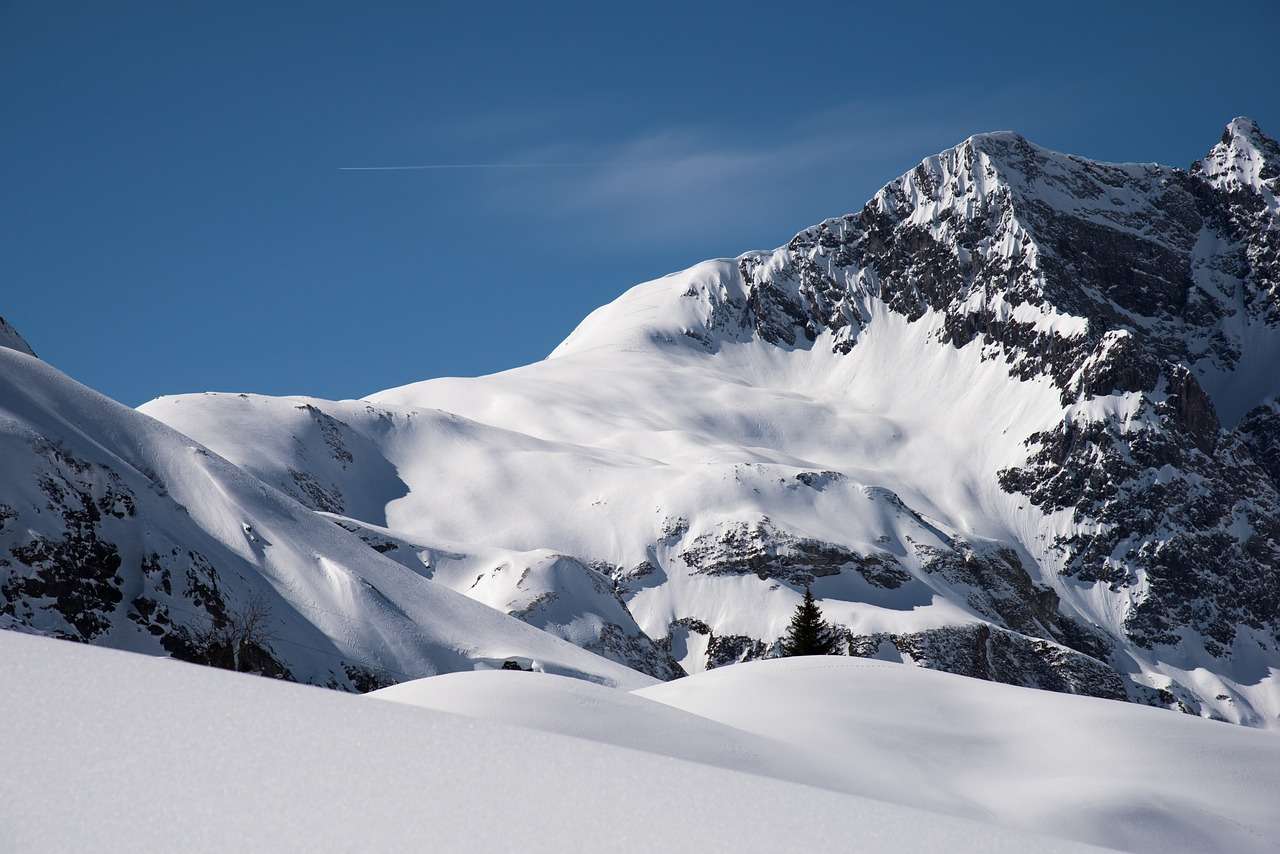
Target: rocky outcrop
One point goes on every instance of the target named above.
(1003, 591)
(1196, 530)
(1259, 432)
(997, 655)
(71, 571)
(722, 649)
(762, 549)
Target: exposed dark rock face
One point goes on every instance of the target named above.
(721, 649)
(762, 549)
(310, 493)
(734, 649)
(331, 429)
(364, 679)
(377, 542)
(74, 570)
(1003, 592)
(995, 654)
(1259, 430)
(819, 480)
(636, 650)
(1199, 528)
(77, 575)
(981, 651)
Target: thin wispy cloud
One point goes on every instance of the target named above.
(754, 177)
(428, 166)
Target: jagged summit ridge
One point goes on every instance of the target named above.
(1044, 255)
(1245, 158)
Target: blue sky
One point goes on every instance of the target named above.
(176, 216)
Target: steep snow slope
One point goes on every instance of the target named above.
(1011, 419)
(214, 761)
(709, 488)
(117, 530)
(1075, 767)
(554, 592)
(347, 456)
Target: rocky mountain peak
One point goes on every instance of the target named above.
(1244, 159)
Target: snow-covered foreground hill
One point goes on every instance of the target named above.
(111, 751)
(1080, 768)
(1015, 418)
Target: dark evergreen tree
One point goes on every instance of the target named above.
(809, 633)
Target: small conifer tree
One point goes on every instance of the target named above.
(809, 633)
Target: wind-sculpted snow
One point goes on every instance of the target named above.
(1074, 767)
(111, 752)
(1013, 418)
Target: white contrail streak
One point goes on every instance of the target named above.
(456, 166)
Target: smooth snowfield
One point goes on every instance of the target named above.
(1097, 771)
(111, 751)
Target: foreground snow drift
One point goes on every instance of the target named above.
(109, 751)
(1080, 768)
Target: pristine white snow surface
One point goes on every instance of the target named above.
(109, 751)
(1108, 773)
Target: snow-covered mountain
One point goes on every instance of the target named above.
(117, 530)
(1015, 418)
